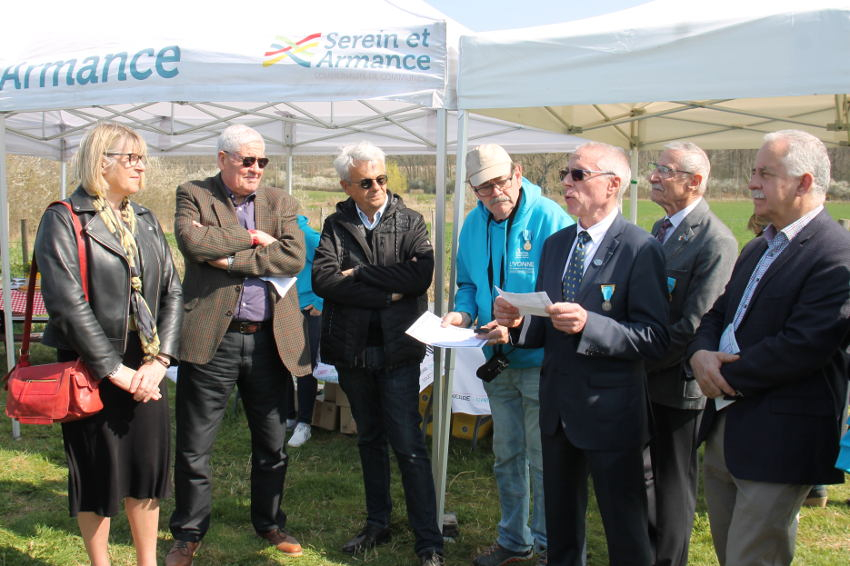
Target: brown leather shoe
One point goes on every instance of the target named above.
(182, 552)
(283, 541)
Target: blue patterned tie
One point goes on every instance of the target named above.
(575, 270)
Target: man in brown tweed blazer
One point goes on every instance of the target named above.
(240, 328)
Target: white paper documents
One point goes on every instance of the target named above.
(281, 284)
(528, 303)
(728, 344)
(427, 329)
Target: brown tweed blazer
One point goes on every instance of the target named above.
(211, 294)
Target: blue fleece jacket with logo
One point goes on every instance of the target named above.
(536, 218)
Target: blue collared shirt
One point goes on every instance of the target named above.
(365, 219)
(777, 242)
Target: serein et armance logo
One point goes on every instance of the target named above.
(298, 51)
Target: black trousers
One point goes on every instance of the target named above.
(307, 384)
(670, 470)
(618, 483)
(250, 361)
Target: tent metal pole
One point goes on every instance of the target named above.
(633, 184)
(63, 167)
(442, 390)
(289, 143)
(4, 251)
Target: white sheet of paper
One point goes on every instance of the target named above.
(281, 284)
(427, 329)
(728, 344)
(528, 303)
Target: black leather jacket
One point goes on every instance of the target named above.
(97, 329)
(403, 262)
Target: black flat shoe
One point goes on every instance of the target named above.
(369, 537)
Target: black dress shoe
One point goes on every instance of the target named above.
(369, 537)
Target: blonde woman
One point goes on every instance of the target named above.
(126, 333)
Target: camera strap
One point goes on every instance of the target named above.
(497, 349)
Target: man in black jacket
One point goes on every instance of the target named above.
(373, 267)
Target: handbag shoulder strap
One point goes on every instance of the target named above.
(81, 254)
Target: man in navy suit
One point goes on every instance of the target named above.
(606, 279)
(770, 354)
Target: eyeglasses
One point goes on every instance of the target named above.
(666, 172)
(366, 184)
(249, 161)
(487, 189)
(580, 174)
(132, 158)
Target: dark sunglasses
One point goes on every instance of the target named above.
(366, 184)
(580, 174)
(249, 161)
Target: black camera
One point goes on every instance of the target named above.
(493, 367)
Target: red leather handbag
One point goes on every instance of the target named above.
(50, 393)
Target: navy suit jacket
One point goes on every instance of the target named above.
(792, 371)
(594, 382)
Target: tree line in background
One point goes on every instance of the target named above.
(34, 182)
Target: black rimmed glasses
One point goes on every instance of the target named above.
(132, 158)
(366, 184)
(666, 172)
(249, 161)
(487, 189)
(580, 174)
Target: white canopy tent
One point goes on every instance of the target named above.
(720, 74)
(309, 80)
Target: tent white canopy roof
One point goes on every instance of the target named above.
(721, 74)
(297, 128)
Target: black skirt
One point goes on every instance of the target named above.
(123, 451)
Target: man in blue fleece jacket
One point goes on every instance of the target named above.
(500, 246)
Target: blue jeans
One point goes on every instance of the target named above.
(515, 406)
(385, 405)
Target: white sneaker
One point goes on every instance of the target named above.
(300, 436)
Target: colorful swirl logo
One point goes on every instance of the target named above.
(288, 48)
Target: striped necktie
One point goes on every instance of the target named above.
(662, 230)
(575, 269)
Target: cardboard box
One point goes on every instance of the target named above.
(331, 390)
(346, 421)
(325, 415)
(342, 398)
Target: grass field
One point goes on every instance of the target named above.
(324, 496)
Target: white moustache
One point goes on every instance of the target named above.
(500, 199)
(757, 194)
(657, 187)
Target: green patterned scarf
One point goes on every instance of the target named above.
(124, 229)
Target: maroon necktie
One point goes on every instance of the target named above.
(662, 231)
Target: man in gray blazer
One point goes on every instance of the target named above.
(699, 251)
